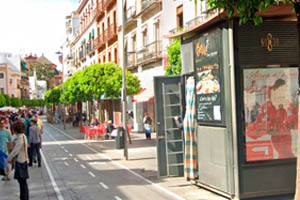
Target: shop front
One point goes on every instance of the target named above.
(246, 80)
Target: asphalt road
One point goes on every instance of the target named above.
(78, 171)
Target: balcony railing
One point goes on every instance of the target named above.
(130, 13)
(99, 10)
(99, 41)
(81, 54)
(110, 32)
(151, 51)
(131, 58)
(147, 3)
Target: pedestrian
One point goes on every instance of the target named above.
(39, 123)
(94, 122)
(19, 153)
(147, 125)
(5, 137)
(34, 143)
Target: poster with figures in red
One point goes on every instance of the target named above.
(270, 113)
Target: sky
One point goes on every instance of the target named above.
(34, 26)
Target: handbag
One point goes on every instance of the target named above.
(21, 169)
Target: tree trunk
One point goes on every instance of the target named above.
(99, 111)
(297, 194)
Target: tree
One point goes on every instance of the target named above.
(174, 58)
(248, 11)
(2, 100)
(53, 95)
(7, 100)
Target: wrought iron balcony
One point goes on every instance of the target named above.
(130, 13)
(99, 10)
(148, 3)
(151, 52)
(110, 32)
(131, 58)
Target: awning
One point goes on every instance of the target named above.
(145, 95)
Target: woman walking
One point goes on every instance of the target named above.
(20, 153)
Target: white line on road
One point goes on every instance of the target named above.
(75, 159)
(117, 198)
(103, 185)
(97, 163)
(66, 164)
(92, 175)
(82, 166)
(70, 154)
(62, 146)
(66, 151)
(175, 196)
(56, 189)
(89, 158)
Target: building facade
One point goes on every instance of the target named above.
(10, 74)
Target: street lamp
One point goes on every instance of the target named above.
(123, 63)
(63, 87)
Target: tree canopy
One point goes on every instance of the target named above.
(174, 58)
(247, 10)
(94, 81)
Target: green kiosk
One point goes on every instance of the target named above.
(246, 80)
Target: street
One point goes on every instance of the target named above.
(81, 172)
(75, 169)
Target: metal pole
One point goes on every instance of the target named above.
(123, 64)
(63, 90)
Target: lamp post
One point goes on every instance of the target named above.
(123, 64)
(60, 53)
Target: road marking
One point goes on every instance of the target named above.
(97, 163)
(66, 164)
(62, 146)
(117, 198)
(103, 185)
(56, 189)
(70, 154)
(89, 158)
(175, 196)
(66, 151)
(93, 175)
(75, 159)
(83, 166)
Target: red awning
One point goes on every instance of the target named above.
(145, 95)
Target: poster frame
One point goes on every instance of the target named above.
(215, 123)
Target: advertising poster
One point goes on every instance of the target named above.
(271, 113)
(208, 89)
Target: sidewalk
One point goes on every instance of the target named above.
(142, 160)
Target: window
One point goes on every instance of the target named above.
(11, 81)
(1, 75)
(179, 16)
(145, 37)
(2, 90)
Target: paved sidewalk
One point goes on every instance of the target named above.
(38, 183)
(142, 160)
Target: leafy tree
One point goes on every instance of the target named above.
(53, 95)
(7, 100)
(174, 58)
(2, 100)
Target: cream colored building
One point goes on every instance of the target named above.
(10, 75)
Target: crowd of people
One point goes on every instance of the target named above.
(20, 143)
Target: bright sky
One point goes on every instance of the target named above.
(34, 26)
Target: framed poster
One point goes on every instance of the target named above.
(270, 113)
(208, 79)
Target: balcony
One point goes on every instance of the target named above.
(130, 13)
(99, 11)
(152, 52)
(99, 42)
(108, 3)
(90, 48)
(82, 55)
(131, 58)
(148, 3)
(111, 33)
